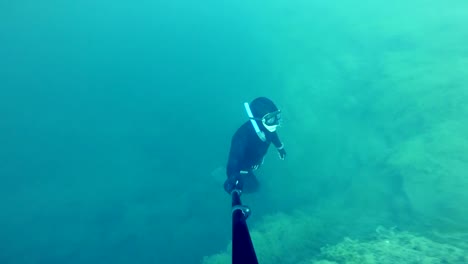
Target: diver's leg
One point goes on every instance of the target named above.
(251, 183)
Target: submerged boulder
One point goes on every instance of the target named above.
(388, 247)
(433, 167)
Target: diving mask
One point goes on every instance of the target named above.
(272, 120)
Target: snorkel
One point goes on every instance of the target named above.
(260, 133)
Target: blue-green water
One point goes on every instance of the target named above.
(114, 117)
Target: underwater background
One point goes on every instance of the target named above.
(116, 119)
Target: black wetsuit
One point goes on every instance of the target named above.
(247, 150)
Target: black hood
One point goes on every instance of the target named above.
(261, 106)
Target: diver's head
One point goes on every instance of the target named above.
(264, 110)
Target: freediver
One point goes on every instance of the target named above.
(250, 143)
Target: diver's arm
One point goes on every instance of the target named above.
(279, 145)
(236, 153)
(276, 141)
(233, 168)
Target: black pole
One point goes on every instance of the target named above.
(243, 251)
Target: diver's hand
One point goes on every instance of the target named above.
(233, 183)
(282, 153)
